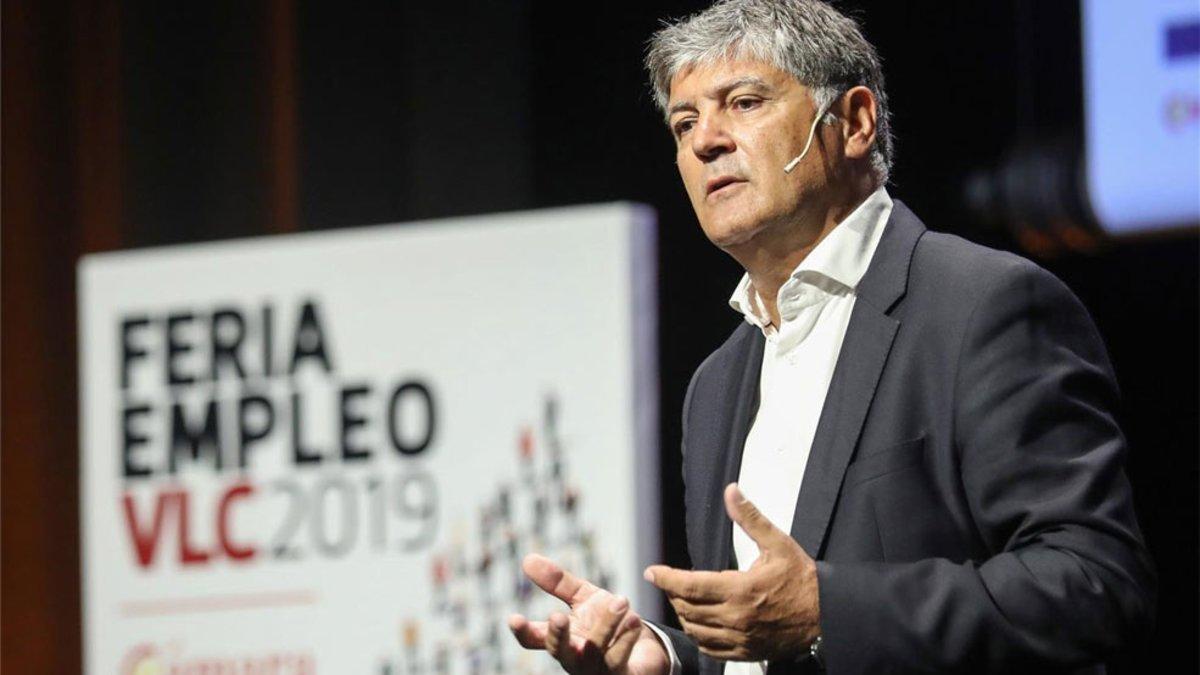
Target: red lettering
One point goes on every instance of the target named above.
(188, 555)
(234, 551)
(145, 542)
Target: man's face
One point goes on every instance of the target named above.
(736, 124)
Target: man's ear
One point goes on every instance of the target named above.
(858, 110)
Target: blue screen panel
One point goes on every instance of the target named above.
(1142, 88)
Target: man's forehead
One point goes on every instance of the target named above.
(711, 78)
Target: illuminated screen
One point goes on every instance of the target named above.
(1142, 89)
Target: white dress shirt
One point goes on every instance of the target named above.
(798, 361)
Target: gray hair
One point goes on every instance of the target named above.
(822, 48)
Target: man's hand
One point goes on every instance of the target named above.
(770, 611)
(600, 635)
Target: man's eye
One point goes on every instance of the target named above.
(746, 103)
(683, 126)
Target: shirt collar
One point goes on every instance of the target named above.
(842, 256)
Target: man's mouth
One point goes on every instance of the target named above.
(719, 183)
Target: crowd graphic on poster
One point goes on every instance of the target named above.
(475, 588)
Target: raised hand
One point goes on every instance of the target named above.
(601, 634)
(770, 611)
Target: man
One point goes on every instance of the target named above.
(929, 420)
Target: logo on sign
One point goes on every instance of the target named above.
(149, 659)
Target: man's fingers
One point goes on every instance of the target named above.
(696, 587)
(558, 640)
(709, 637)
(743, 512)
(630, 631)
(735, 654)
(530, 634)
(706, 614)
(719, 643)
(605, 623)
(555, 580)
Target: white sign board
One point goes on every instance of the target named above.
(328, 452)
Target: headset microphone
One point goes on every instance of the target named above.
(811, 132)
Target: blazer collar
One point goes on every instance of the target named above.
(886, 278)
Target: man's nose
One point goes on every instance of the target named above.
(710, 137)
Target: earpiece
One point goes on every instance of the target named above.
(822, 116)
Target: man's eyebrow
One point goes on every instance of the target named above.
(721, 90)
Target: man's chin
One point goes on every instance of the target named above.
(730, 237)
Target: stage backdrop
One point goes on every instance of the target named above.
(328, 452)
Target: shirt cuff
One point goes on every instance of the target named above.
(676, 664)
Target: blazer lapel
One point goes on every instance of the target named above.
(860, 362)
(743, 369)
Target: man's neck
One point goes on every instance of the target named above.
(770, 259)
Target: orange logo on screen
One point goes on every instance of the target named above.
(143, 660)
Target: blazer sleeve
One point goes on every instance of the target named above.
(686, 651)
(1041, 457)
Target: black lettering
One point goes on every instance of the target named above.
(300, 454)
(352, 421)
(226, 332)
(249, 433)
(131, 439)
(193, 442)
(309, 342)
(130, 351)
(268, 354)
(419, 393)
(175, 348)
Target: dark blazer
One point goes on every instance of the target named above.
(964, 496)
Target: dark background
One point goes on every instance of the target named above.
(150, 123)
